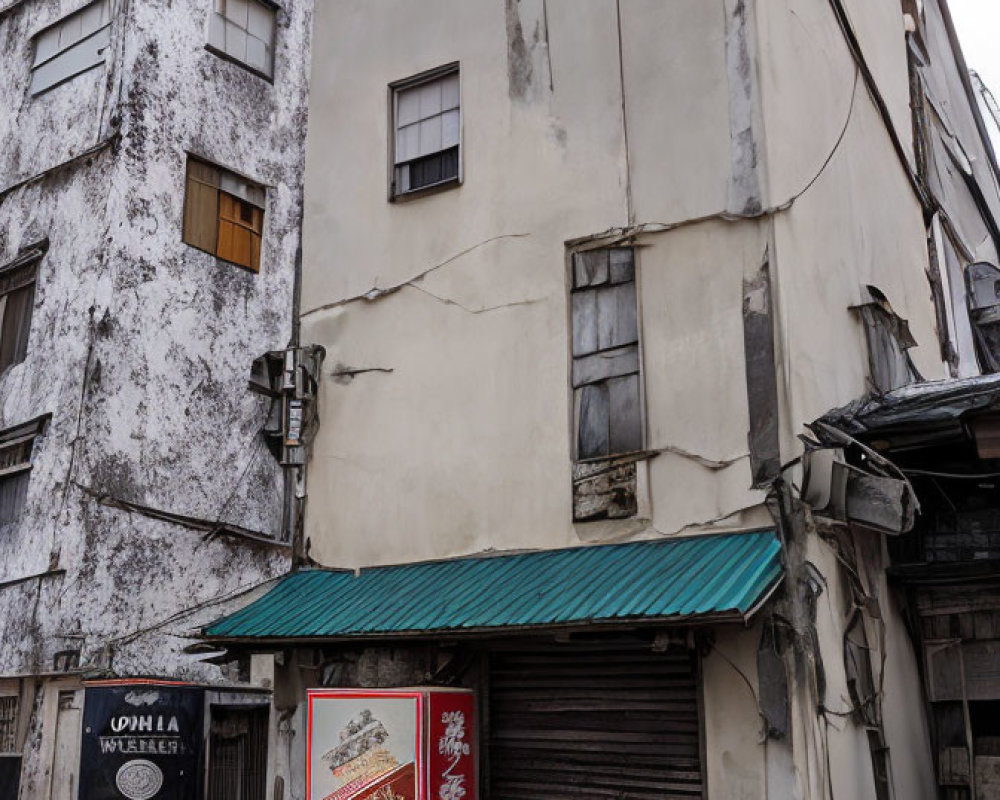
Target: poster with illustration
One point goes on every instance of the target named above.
(365, 745)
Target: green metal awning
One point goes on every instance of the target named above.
(695, 578)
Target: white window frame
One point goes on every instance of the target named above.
(75, 44)
(397, 181)
(222, 25)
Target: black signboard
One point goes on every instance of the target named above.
(142, 741)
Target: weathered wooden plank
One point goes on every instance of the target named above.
(594, 432)
(624, 413)
(584, 323)
(590, 268)
(617, 322)
(610, 493)
(607, 364)
(201, 216)
(622, 265)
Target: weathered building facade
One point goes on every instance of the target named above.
(590, 277)
(136, 484)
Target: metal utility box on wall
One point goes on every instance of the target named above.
(412, 744)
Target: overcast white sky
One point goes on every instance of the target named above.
(978, 25)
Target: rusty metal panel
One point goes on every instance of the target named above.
(571, 722)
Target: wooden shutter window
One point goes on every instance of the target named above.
(218, 221)
(201, 206)
(240, 226)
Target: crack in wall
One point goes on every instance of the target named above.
(709, 463)
(483, 310)
(377, 293)
(343, 374)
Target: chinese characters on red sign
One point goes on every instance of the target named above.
(391, 744)
(452, 757)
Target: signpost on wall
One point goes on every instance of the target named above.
(391, 744)
(142, 740)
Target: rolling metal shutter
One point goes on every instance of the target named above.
(617, 722)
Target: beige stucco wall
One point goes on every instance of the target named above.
(735, 758)
(906, 731)
(858, 223)
(465, 445)
(459, 439)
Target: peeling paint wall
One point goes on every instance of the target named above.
(577, 133)
(141, 346)
(843, 232)
(713, 137)
(592, 124)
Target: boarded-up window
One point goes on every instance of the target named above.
(10, 758)
(237, 758)
(16, 449)
(244, 31)
(73, 45)
(8, 724)
(605, 353)
(17, 299)
(223, 214)
(427, 125)
(888, 337)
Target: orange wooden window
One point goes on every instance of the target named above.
(219, 222)
(240, 226)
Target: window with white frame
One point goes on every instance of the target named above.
(426, 118)
(73, 45)
(244, 31)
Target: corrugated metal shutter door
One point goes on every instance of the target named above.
(586, 724)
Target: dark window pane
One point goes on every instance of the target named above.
(237, 764)
(590, 268)
(8, 725)
(622, 265)
(434, 168)
(16, 325)
(13, 493)
(626, 423)
(594, 434)
(609, 364)
(10, 775)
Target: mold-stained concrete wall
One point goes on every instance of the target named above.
(141, 346)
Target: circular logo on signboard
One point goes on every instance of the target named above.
(139, 779)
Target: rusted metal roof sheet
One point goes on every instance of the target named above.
(923, 405)
(687, 578)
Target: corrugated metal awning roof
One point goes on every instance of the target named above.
(721, 577)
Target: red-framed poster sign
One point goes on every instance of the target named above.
(391, 744)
